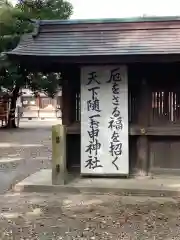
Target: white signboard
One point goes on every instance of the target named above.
(104, 120)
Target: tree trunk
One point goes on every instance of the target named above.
(11, 116)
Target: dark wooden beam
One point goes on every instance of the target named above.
(143, 120)
(57, 62)
(136, 130)
(162, 130)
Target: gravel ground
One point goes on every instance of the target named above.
(24, 151)
(33, 216)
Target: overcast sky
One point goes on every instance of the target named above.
(123, 8)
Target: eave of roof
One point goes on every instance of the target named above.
(109, 20)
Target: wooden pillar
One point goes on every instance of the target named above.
(143, 121)
(59, 171)
(69, 96)
(66, 99)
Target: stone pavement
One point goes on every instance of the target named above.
(85, 216)
(156, 186)
(24, 151)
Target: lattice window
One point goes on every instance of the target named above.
(165, 107)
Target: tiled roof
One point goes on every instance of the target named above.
(88, 38)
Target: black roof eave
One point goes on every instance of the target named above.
(96, 59)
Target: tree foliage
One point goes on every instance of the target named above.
(15, 21)
(46, 9)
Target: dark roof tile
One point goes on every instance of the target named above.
(131, 41)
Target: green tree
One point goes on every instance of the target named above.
(15, 21)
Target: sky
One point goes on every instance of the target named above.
(88, 9)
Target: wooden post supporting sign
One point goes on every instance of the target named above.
(59, 171)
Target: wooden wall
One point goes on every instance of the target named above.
(154, 117)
